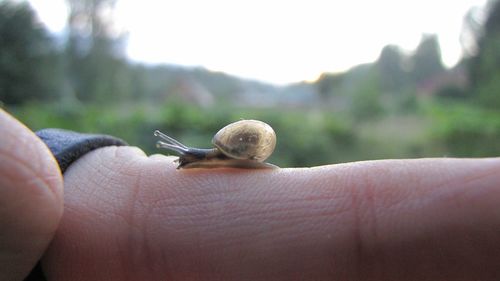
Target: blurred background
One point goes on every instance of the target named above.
(337, 81)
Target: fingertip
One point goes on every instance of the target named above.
(31, 196)
(37, 167)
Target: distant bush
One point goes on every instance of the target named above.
(466, 131)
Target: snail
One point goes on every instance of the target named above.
(242, 144)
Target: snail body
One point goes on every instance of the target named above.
(242, 144)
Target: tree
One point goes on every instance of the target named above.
(390, 65)
(28, 60)
(426, 61)
(484, 66)
(96, 68)
(328, 83)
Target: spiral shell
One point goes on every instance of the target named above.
(246, 140)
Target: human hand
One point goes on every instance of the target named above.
(31, 199)
(132, 217)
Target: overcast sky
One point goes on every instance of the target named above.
(277, 41)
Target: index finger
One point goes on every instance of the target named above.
(392, 219)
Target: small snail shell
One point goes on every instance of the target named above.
(246, 139)
(242, 144)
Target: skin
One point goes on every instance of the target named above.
(31, 199)
(128, 216)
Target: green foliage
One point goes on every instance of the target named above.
(390, 66)
(99, 77)
(466, 131)
(95, 68)
(29, 66)
(451, 92)
(329, 84)
(487, 84)
(426, 61)
(484, 67)
(366, 100)
(390, 84)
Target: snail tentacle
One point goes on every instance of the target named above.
(170, 139)
(178, 149)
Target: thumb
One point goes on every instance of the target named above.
(31, 200)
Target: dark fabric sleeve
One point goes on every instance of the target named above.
(67, 147)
